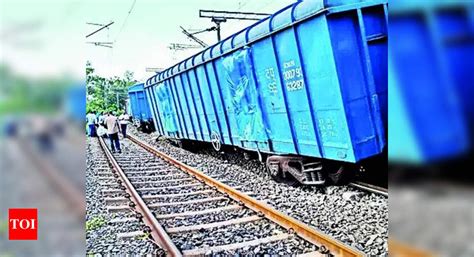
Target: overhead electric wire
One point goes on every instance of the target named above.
(125, 21)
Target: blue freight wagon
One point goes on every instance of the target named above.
(431, 79)
(140, 109)
(306, 87)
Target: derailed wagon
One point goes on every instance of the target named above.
(139, 108)
(305, 87)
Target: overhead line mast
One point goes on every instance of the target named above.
(219, 17)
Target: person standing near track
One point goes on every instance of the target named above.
(123, 123)
(112, 130)
(101, 118)
(91, 121)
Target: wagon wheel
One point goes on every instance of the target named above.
(216, 141)
(276, 173)
(339, 174)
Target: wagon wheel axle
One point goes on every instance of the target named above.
(216, 141)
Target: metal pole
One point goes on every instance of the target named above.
(218, 32)
(118, 104)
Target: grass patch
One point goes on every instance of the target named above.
(95, 223)
(144, 236)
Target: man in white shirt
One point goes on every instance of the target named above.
(124, 118)
(91, 121)
(112, 130)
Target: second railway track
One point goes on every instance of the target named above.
(191, 214)
(370, 188)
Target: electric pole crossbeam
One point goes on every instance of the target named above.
(104, 44)
(227, 15)
(177, 46)
(103, 27)
(191, 36)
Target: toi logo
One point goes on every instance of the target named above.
(22, 224)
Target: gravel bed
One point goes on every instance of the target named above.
(199, 187)
(206, 218)
(192, 207)
(236, 233)
(287, 247)
(101, 236)
(184, 198)
(113, 195)
(165, 184)
(139, 177)
(114, 186)
(355, 217)
(159, 174)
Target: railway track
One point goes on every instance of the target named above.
(191, 214)
(370, 188)
(114, 225)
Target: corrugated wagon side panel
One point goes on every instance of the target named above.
(159, 110)
(295, 89)
(351, 64)
(133, 104)
(142, 105)
(166, 109)
(192, 105)
(195, 87)
(273, 107)
(229, 109)
(149, 108)
(154, 108)
(185, 108)
(218, 101)
(323, 88)
(179, 110)
(375, 28)
(174, 108)
(208, 101)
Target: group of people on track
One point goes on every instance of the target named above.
(108, 125)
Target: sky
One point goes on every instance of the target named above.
(43, 38)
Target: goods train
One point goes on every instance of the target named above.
(139, 108)
(305, 89)
(230, 95)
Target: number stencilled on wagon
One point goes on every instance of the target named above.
(292, 76)
(272, 83)
(327, 128)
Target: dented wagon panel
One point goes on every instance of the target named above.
(310, 80)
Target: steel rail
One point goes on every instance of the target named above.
(157, 231)
(308, 233)
(370, 188)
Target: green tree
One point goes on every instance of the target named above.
(107, 94)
